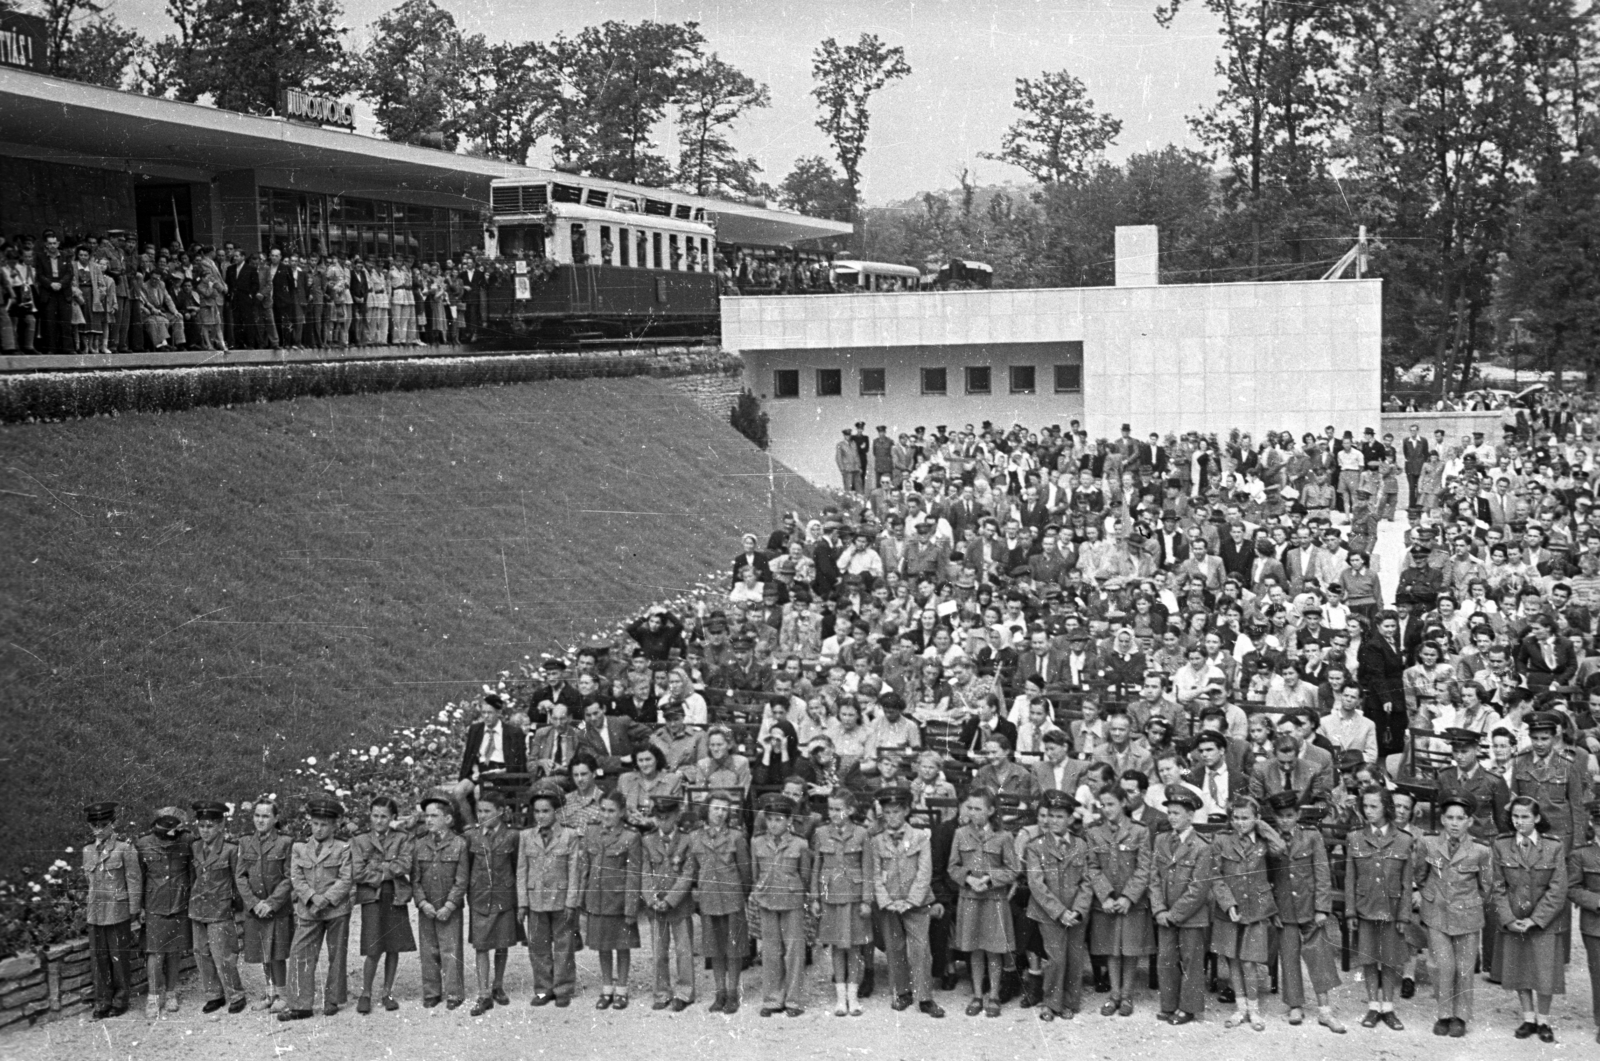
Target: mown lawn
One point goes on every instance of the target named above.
(194, 602)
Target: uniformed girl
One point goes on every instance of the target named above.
(983, 864)
(1455, 882)
(842, 875)
(268, 915)
(1377, 888)
(1416, 933)
(381, 862)
(719, 870)
(1246, 906)
(1530, 893)
(1120, 927)
(492, 928)
(611, 897)
(164, 857)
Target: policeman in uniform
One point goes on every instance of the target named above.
(322, 875)
(112, 870)
(1549, 774)
(212, 898)
(439, 881)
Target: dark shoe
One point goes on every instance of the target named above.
(1181, 1017)
(948, 982)
(1408, 987)
(767, 1011)
(975, 1007)
(677, 1005)
(901, 1002)
(1032, 989)
(1547, 1034)
(100, 1013)
(1392, 1019)
(329, 1010)
(500, 997)
(1109, 1009)
(603, 1002)
(1458, 1027)
(541, 1000)
(931, 1008)
(1164, 1017)
(1102, 985)
(364, 1005)
(1441, 1026)
(119, 1010)
(1010, 986)
(480, 1007)
(1371, 1019)
(1046, 1015)
(563, 1001)
(453, 1003)
(619, 1001)
(213, 1004)
(991, 1008)
(1226, 996)
(868, 983)
(390, 1004)
(793, 1011)
(1526, 1030)
(719, 1002)
(1126, 1009)
(732, 1005)
(659, 1005)
(429, 1003)
(305, 1014)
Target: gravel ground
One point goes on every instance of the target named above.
(522, 1032)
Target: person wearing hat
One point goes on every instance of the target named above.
(549, 892)
(902, 884)
(1180, 894)
(380, 864)
(1302, 885)
(665, 881)
(322, 875)
(216, 943)
(439, 875)
(492, 897)
(1060, 898)
(848, 460)
(1455, 879)
(1583, 889)
(1546, 771)
(166, 860)
(780, 865)
(1488, 790)
(555, 690)
(719, 871)
(115, 882)
(263, 884)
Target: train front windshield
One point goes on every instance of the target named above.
(522, 241)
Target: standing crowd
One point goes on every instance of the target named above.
(1032, 716)
(107, 294)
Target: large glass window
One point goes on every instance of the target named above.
(310, 223)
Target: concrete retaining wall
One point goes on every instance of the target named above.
(54, 983)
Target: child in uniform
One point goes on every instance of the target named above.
(216, 943)
(1242, 891)
(842, 874)
(439, 885)
(666, 875)
(1302, 884)
(1455, 878)
(781, 866)
(1583, 888)
(611, 896)
(323, 879)
(381, 861)
(549, 891)
(263, 883)
(1120, 928)
(492, 897)
(1180, 900)
(983, 865)
(1377, 889)
(111, 867)
(1059, 900)
(903, 886)
(165, 858)
(1530, 893)
(719, 868)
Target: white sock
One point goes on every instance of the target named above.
(1529, 1017)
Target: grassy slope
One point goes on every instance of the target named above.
(194, 602)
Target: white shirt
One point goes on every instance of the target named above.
(490, 749)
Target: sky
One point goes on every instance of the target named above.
(965, 59)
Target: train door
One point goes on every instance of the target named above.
(581, 294)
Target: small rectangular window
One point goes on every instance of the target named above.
(675, 257)
(873, 383)
(830, 383)
(786, 383)
(606, 246)
(977, 379)
(934, 381)
(1069, 379)
(580, 252)
(1021, 379)
(644, 251)
(622, 247)
(655, 248)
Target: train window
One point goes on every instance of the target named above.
(580, 249)
(1021, 379)
(705, 255)
(521, 241)
(675, 256)
(655, 250)
(622, 247)
(692, 262)
(977, 379)
(566, 193)
(606, 246)
(643, 260)
(873, 383)
(830, 382)
(935, 382)
(1069, 379)
(786, 383)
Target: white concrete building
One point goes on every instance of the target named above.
(1203, 357)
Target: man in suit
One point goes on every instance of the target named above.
(555, 690)
(1414, 453)
(265, 323)
(553, 747)
(1543, 658)
(1058, 769)
(978, 729)
(1264, 566)
(475, 294)
(1286, 771)
(613, 740)
(1238, 553)
(1083, 665)
(52, 296)
(1153, 455)
(492, 745)
(1031, 512)
(280, 291)
(1172, 544)
(1380, 669)
(1041, 659)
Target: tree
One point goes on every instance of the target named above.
(846, 79)
(84, 42)
(514, 101)
(814, 188)
(711, 97)
(1062, 135)
(423, 75)
(172, 64)
(244, 53)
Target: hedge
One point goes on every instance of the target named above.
(29, 397)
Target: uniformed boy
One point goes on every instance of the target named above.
(1546, 772)
(439, 885)
(664, 886)
(263, 883)
(212, 898)
(1302, 885)
(1454, 878)
(1583, 888)
(1180, 898)
(903, 887)
(111, 867)
(322, 878)
(1059, 901)
(781, 865)
(549, 891)
(492, 896)
(164, 858)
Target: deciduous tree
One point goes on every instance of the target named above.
(1061, 135)
(712, 95)
(847, 77)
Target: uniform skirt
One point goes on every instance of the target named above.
(723, 936)
(1531, 961)
(1126, 935)
(496, 931)
(167, 934)
(267, 939)
(1379, 943)
(842, 925)
(612, 932)
(983, 924)
(1244, 943)
(385, 927)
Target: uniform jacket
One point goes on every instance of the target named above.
(1302, 878)
(491, 869)
(666, 871)
(1489, 792)
(263, 871)
(213, 894)
(1529, 883)
(843, 864)
(1242, 881)
(983, 853)
(1119, 861)
(116, 882)
(1058, 878)
(720, 870)
(166, 865)
(1181, 873)
(903, 867)
(1557, 783)
(1308, 780)
(374, 860)
(615, 866)
(550, 873)
(439, 869)
(1454, 890)
(782, 870)
(324, 869)
(1583, 886)
(1377, 876)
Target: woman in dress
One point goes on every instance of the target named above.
(615, 858)
(381, 864)
(648, 781)
(402, 305)
(377, 304)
